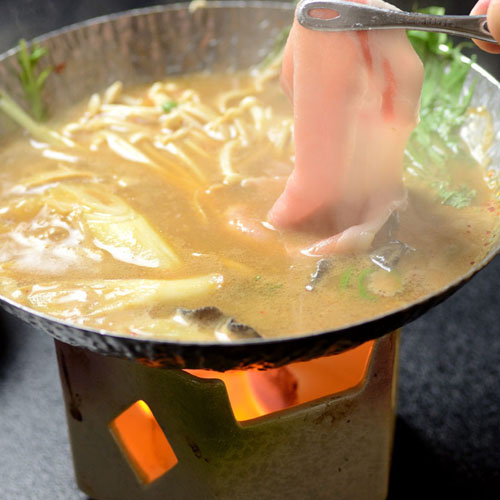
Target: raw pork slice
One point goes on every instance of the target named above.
(356, 99)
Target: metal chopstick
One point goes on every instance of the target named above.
(351, 16)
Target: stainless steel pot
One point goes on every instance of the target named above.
(147, 44)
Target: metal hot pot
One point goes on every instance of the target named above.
(147, 44)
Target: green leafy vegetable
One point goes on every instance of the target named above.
(39, 132)
(33, 81)
(168, 106)
(363, 290)
(266, 286)
(443, 110)
(345, 278)
(458, 198)
(352, 277)
(270, 287)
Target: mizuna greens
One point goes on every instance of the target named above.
(32, 83)
(32, 79)
(39, 132)
(445, 100)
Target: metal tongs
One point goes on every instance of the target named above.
(350, 16)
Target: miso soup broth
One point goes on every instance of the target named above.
(159, 202)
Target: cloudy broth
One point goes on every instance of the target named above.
(174, 182)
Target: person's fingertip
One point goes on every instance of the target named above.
(493, 19)
(481, 7)
(488, 47)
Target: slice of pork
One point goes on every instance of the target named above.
(355, 99)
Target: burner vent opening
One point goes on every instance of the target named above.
(143, 442)
(255, 393)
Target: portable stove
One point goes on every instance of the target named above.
(141, 432)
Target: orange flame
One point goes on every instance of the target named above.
(143, 442)
(254, 393)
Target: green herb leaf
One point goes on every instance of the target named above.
(168, 106)
(39, 132)
(32, 81)
(363, 290)
(460, 198)
(273, 287)
(348, 278)
(444, 104)
(265, 286)
(345, 278)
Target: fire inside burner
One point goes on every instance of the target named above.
(255, 393)
(251, 394)
(144, 443)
